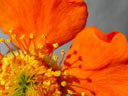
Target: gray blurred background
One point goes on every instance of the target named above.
(107, 15)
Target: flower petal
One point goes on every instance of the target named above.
(90, 57)
(110, 81)
(59, 20)
(94, 49)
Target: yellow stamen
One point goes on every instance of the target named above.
(22, 37)
(55, 45)
(2, 82)
(10, 41)
(49, 73)
(10, 30)
(83, 94)
(57, 73)
(2, 40)
(32, 52)
(26, 71)
(58, 93)
(55, 58)
(69, 92)
(32, 39)
(40, 46)
(44, 37)
(31, 36)
(62, 52)
(65, 73)
(51, 55)
(63, 83)
(46, 83)
(14, 36)
(42, 56)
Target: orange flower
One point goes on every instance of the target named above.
(38, 27)
(98, 63)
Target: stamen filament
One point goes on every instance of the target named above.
(21, 45)
(51, 55)
(26, 45)
(23, 38)
(1, 56)
(55, 45)
(70, 68)
(10, 41)
(29, 42)
(31, 39)
(15, 48)
(56, 59)
(9, 48)
(34, 45)
(44, 40)
(61, 61)
(91, 91)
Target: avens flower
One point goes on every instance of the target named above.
(37, 27)
(95, 65)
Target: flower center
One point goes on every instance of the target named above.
(30, 72)
(27, 76)
(33, 72)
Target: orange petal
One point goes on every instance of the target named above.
(110, 81)
(93, 50)
(59, 20)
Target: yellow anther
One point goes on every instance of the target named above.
(69, 92)
(58, 92)
(65, 72)
(32, 52)
(83, 94)
(57, 73)
(49, 73)
(31, 36)
(46, 83)
(9, 40)
(14, 36)
(63, 83)
(22, 37)
(55, 58)
(2, 82)
(44, 37)
(62, 52)
(49, 70)
(6, 87)
(41, 55)
(40, 46)
(55, 45)
(10, 30)
(1, 40)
